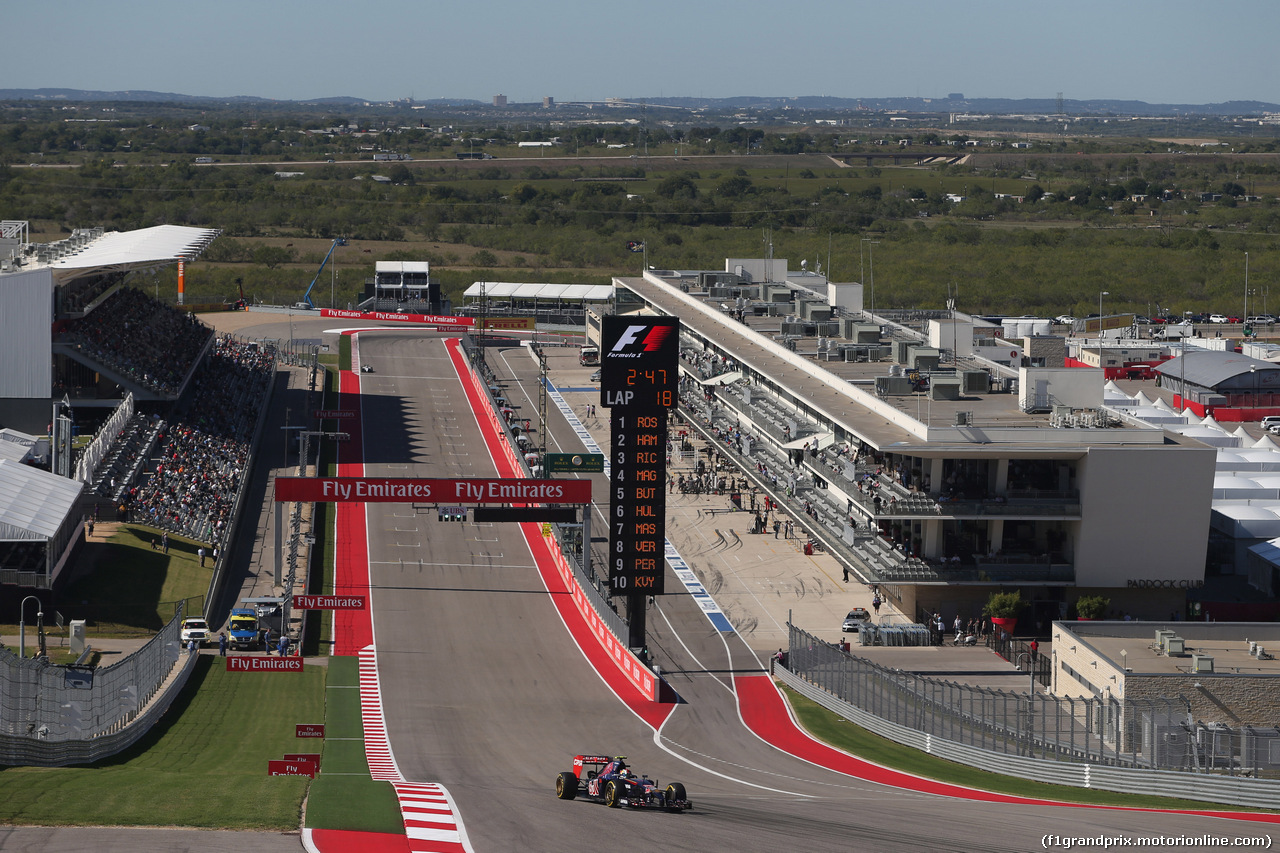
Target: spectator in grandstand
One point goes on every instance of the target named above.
(204, 453)
(141, 338)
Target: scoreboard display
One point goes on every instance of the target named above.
(640, 361)
(639, 382)
(637, 503)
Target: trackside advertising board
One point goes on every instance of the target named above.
(292, 768)
(429, 319)
(328, 602)
(470, 491)
(264, 663)
(309, 730)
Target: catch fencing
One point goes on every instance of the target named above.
(56, 715)
(1156, 734)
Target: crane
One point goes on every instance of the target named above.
(306, 297)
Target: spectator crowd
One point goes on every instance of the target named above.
(140, 338)
(205, 452)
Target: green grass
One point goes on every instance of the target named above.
(203, 765)
(842, 734)
(344, 796)
(130, 586)
(344, 352)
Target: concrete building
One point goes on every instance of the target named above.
(1226, 672)
(987, 473)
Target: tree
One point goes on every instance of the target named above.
(1003, 605)
(679, 185)
(273, 256)
(1092, 606)
(734, 186)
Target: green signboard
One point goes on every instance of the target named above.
(575, 463)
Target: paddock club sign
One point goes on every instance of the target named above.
(396, 490)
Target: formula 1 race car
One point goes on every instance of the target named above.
(610, 781)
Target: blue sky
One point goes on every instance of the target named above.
(1173, 51)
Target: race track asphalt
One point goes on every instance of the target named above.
(485, 691)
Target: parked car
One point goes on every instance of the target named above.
(1064, 319)
(857, 617)
(195, 629)
(1218, 318)
(1262, 320)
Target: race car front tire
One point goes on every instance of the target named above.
(675, 794)
(613, 795)
(566, 785)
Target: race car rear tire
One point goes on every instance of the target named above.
(675, 793)
(566, 785)
(612, 794)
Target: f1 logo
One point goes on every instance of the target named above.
(652, 342)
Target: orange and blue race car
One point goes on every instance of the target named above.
(612, 782)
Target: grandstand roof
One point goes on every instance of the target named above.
(537, 290)
(402, 266)
(123, 250)
(33, 503)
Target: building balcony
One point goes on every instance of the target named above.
(889, 500)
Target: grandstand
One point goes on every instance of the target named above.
(173, 406)
(71, 327)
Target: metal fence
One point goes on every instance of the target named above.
(1236, 790)
(1019, 653)
(43, 706)
(1154, 734)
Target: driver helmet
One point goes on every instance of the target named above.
(622, 771)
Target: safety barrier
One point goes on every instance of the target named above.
(1014, 759)
(55, 715)
(607, 632)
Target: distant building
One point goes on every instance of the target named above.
(956, 96)
(499, 100)
(548, 103)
